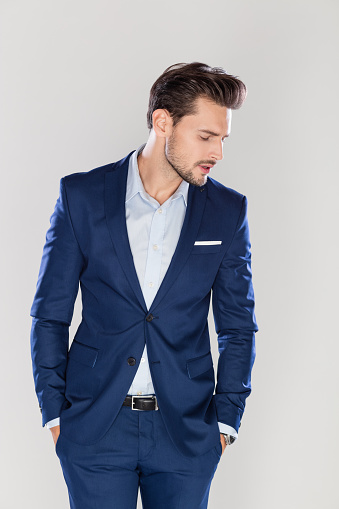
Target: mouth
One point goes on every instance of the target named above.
(206, 168)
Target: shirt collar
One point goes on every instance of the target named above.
(135, 185)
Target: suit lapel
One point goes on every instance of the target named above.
(196, 201)
(115, 194)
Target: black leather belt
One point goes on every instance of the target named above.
(141, 402)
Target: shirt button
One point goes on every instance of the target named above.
(139, 393)
(159, 211)
(143, 359)
(155, 247)
(150, 284)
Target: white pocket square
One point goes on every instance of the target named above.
(207, 242)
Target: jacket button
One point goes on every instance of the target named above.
(131, 361)
(149, 317)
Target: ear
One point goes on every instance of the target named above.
(162, 123)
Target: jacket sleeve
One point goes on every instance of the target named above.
(52, 309)
(235, 324)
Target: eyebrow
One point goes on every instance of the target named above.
(212, 133)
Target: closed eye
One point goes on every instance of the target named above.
(206, 139)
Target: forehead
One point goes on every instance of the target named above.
(210, 115)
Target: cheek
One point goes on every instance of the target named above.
(189, 151)
(193, 152)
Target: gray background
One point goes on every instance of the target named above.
(75, 78)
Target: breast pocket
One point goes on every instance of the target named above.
(206, 249)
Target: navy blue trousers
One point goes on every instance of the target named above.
(136, 452)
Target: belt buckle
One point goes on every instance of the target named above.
(133, 398)
(144, 397)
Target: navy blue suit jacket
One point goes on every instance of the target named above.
(87, 242)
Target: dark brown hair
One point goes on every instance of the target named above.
(177, 89)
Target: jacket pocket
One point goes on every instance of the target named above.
(199, 365)
(84, 354)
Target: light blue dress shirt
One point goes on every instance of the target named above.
(153, 233)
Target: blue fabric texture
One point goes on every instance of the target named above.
(88, 242)
(136, 453)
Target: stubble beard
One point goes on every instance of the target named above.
(176, 162)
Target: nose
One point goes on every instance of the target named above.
(217, 150)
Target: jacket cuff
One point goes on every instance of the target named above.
(228, 411)
(51, 409)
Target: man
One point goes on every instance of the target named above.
(150, 238)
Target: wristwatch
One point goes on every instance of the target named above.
(229, 439)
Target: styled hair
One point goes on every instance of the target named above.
(180, 85)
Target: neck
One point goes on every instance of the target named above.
(157, 175)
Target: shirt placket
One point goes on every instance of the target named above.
(150, 287)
